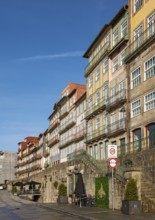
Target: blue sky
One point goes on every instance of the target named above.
(41, 48)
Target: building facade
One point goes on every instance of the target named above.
(8, 162)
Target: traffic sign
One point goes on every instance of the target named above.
(112, 162)
(112, 151)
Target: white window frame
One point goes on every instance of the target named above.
(115, 64)
(122, 57)
(136, 80)
(124, 29)
(97, 74)
(151, 24)
(97, 122)
(137, 5)
(90, 81)
(90, 101)
(149, 101)
(115, 37)
(138, 36)
(149, 68)
(97, 97)
(105, 65)
(135, 108)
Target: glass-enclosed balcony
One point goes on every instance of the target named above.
(80, 134)
(53, 140)
(99, 56)
(68, 124)
(54, 124)
(117, 127)
(64, 111)
(116, 100)
(140, 43)
(96, 134)
(95, 108)
(67, 141)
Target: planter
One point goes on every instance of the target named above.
(62, 199)
(131, 207)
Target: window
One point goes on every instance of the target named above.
(91, 151)
(102, 156)
(115, 64)
(137, 5)
(105, 119)
(106, 93)
(96, 151)
(136, 77)
(113, 118)
(113, 94)
(90, 102)
(151, 135)
(105, 65)
(149, 101)
(90, 82)
(122, 146)
(137, 139)
(107, 39)
(124, 29)
(122, 57)
(138, 40)
(149, 68)
(97, 123)
(151, 25)
(122, 92)
(97, 97)
(97, 74)
(135, 108)
(115, 37)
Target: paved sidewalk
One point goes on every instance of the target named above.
(94, 213)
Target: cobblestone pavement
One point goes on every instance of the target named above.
(94, 213)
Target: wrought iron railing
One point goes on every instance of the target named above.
(116, 99)
(95, 107)
(147, 35)
(102, 131)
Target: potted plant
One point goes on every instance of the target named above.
(131, 204)
(62, 193)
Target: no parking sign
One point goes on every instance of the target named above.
(112, 151)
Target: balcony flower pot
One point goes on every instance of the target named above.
(62, 194)
(131, 205)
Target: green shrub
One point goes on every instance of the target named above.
(131, 192)
(62, 190)
(55, 184)
(14, 189)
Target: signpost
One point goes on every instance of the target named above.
(112, 162)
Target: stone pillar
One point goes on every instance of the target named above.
(135, 173)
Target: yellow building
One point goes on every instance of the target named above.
(106, 83)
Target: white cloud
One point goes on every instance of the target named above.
(52, 56)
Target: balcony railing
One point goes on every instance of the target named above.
(55, 123)
(98, 133)
(117, 127)
(68, 124)
(136, 146)
(91, 65)
(118, 99)
(143, 40)
(53, 140)
(93, 110)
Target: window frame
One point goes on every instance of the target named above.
(134, 79)
(136, 109)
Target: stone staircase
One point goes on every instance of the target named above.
(148, 196)
(100, 167)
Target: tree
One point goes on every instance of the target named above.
(131, 193)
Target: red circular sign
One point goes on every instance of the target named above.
(112, 162)
(112, 151)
